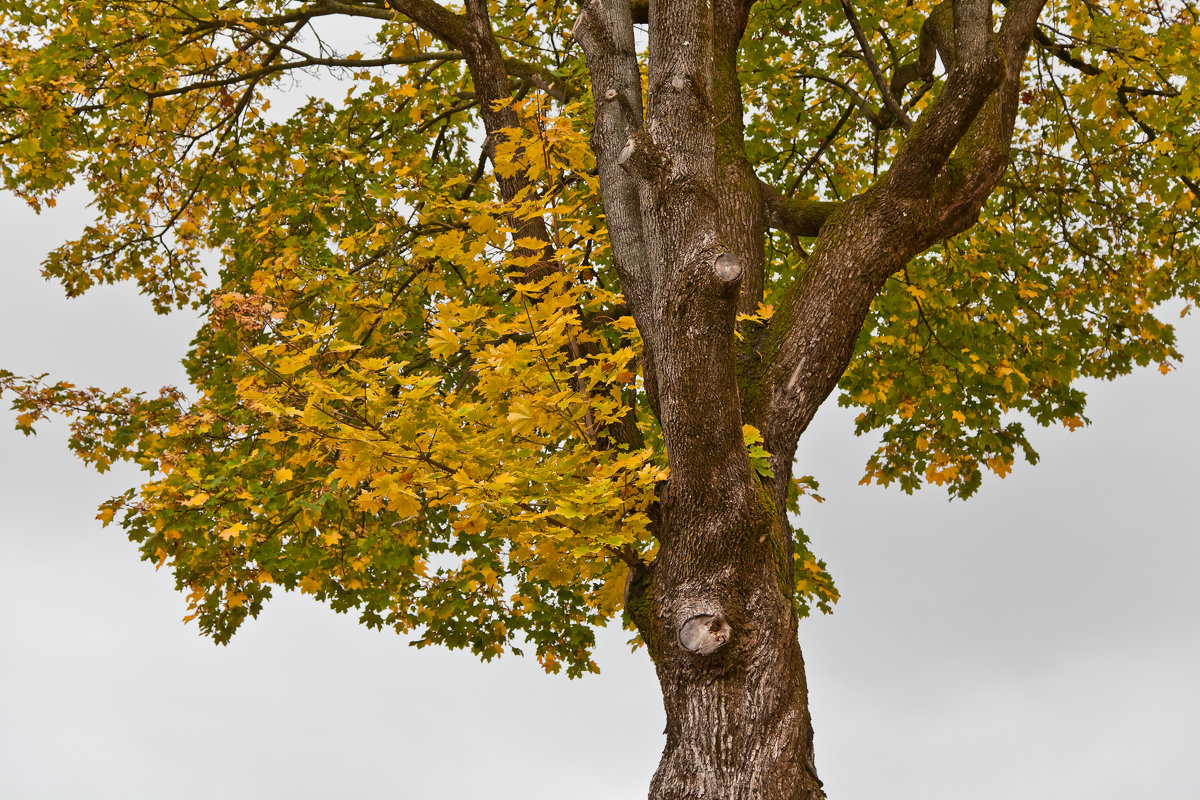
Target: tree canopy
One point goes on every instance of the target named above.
(420, 392)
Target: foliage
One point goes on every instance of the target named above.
(395, 409)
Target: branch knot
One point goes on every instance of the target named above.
(644, 159)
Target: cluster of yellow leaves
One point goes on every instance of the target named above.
(430, 442)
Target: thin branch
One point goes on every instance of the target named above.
(825, 143)
(262, 72)
(859, 101)
(449, 112)
(881, 83)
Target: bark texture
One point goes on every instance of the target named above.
(687, 218)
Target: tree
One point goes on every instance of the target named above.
(495, 407)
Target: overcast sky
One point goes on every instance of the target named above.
(1039, 641)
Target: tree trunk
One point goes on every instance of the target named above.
(715, 607)
(687, 219)
(738, 731)
(721, 629)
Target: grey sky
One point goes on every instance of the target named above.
(1039, 641)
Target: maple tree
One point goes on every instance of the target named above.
(520, 333)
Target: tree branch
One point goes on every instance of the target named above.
(889, 100)
(794, 217)
(820, 151)
(604, 31)
(977, 69)
(740, 221)
(927, 50)
(450, 29)
(869, 237)
(305, 63)
(857, 99)
(439, 21)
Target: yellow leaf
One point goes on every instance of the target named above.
(369, 502)
(283, 474)
(482, 223)
(404, 504)
(443, 341)
(232, 531)
(751, 435)
(529, 243)
(308, 584)
(289, 364)
(520, 416)
(198, 499)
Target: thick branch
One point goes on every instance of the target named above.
(978, 68)
(451, 29)
(1017, 29)
(740, 223)
(983, 155)
(605, 32)
(354, 9)
(972, 29)
(439, 21)
(813, 333)
(794, 217)
(693, 305)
